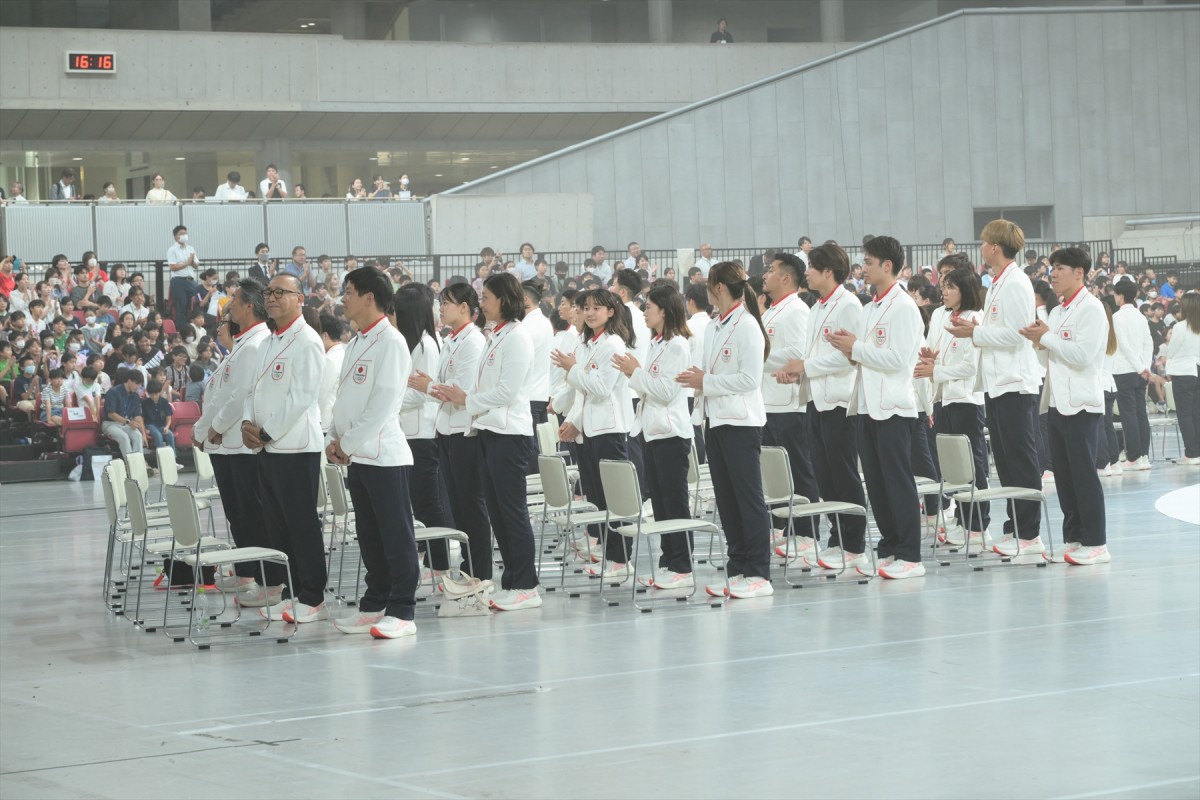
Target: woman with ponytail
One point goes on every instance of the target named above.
(729, 404)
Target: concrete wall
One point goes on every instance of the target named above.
(468, 223)
(1091, 113)
(172, 70)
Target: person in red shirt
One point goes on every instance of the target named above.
(7, 281)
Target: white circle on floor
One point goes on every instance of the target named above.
(1182, 504)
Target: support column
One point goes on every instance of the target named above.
(661, 28)
(348, 19)
(833, 20)
(195, 15)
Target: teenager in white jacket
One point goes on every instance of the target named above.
(1076, 338)
(541, 334)
(601, 415)
(952, 364)
(458, 365)
(1183, 371)
(729, 403)
(418, 419)
(665, 423)
(499, 409)
(886, 348)
(365, 435)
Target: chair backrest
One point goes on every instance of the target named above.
(186, 414)
(339, 501)
(621, 491)
(203, 463)
(135, 463)
(547, 438)
(776, 474)
(693, 477)
(1169, 388)
(185, 520)
(167, 468)
(137, 508)
(956, 459)
(168, 326)
(81, 432)
(110, 496)
(555, 486)
(322, 491)
(119, 474)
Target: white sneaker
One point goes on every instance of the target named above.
(231, 584)
(899, 570)
(979, 542)
(1086, 556)
(1116, 469)
(455, 589)
(1143, 464)
(778, 540)
(1106, 472)
(954, 536)
(516, 599)
(666, 579)
(361, 622)
(1012, 547)
(301, 613)
(1188, 461)
(747, 588)
(275, 613)
(1059, 556)
(393, 628)
(612, 570)
(1048, 476)
(254, 596)
(719, 590)
(865, 570)
(837, 558)
(473, 605)
(798, 547)
(649, 580)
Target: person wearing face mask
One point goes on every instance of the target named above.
(403, 193)
(25, 388)
(182, 261)
(262, 269)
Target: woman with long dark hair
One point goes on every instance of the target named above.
(664, 422)
(728, 388)
(458, 365)
(1183, 364)
(1044, 300)
(499, 410)
(418, 413)
(1108, 450)
(601, 417)
(951, 365)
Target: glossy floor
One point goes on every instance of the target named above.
(1013, 682)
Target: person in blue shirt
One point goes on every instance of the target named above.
(123, 422)
(1167, 290)
(157, 416)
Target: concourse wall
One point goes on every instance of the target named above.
(1093, 112)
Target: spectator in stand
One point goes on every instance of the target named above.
(9, 369)
(1167, 290)
(205, 358)
(601, 269)
(298, 266)
(325, 269)
(123, 421)
(194, 393)
(26, 386)
(948, 247)
(87, 391)
(263, 268)
(403, 193)
(158, 194)
(17, 190)
(1102, 266)
(356, 191)
(177, 371)
(380, 189)
(54, 398)
(721, 35)
(632, 251)
(182, 261)
(231, 190)
(198, 194)
(526, 269)
(1131, 372)
(208, 298)
(298, 192)
(86, 288)
(156, 413)
(116, 287)
(65, 189)
(704, 262)
(272, 187)
(137, 306)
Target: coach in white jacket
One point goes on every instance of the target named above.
(1010, 377)
(786, 323)
(1075, 337)
(886, 349)
(235, 467)
(281, 420)
(826, 380)
(366, 435)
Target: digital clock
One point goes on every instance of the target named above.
(103, 63)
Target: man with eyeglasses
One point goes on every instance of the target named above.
(282, 423)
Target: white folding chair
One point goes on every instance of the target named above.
(700, 490)
(120, 536)
(623, 496)
(187, 547)
(204, 471)
(778, 492)
(341, 530)
(168, 473)
(564, 511)
(958, 467)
